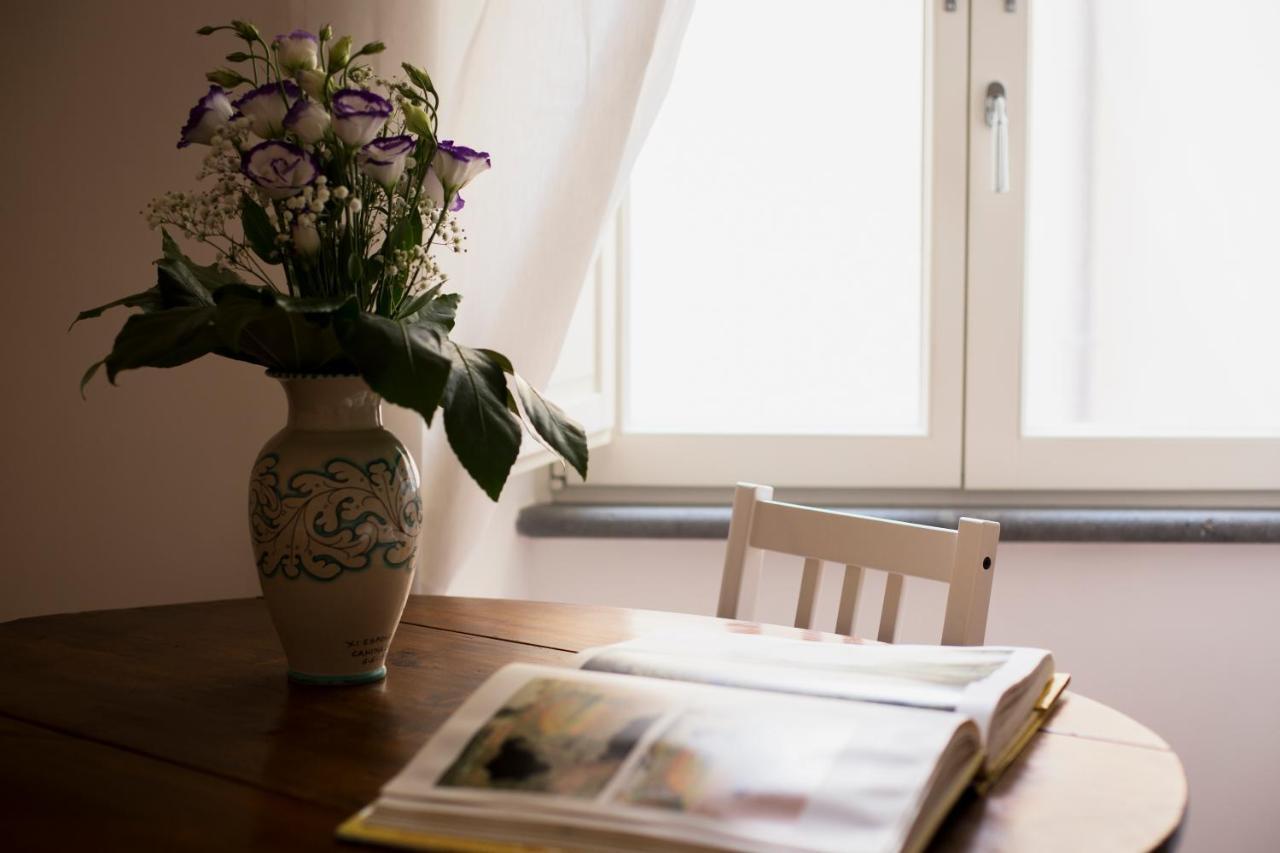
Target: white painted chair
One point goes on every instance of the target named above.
(963, 558)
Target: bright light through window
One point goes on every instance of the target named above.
(1153, 287)
(776, 226)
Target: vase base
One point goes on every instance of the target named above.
(338, 680)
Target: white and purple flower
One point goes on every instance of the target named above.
(210, 114)
(456, 165)
(384, 159)
(434, 190)
(358, 115)
(266, 107)
(307, 120)
(297, 50)
(282, 169)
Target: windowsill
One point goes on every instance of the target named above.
(1035, 524)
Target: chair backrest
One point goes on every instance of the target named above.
(963, 558)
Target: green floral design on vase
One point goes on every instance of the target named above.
(334, 520)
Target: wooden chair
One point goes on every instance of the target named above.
(963, 558)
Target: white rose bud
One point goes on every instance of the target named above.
(298, 50)
(312, 82)
(306, 239)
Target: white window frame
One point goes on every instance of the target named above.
(997, 453)
(974, 253)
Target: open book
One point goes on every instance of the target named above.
(716, 742)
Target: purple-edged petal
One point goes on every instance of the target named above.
(307, 120)
(434, 190)
(297, 50)
(266, 107)
(384, 159)
(358, 115)
(210, 114)
(457, 165)
(282, 169)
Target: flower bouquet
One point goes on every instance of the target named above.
(328, 196)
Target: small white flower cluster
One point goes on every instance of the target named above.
(204, 214)
(451, 232)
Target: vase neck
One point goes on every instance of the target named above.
(331, 403)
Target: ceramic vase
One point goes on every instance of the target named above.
(334, 515)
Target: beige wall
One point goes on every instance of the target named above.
(137, 496)
(1181, 637)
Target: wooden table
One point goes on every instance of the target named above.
(173, 728)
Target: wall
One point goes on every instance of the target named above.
(1181, 637)
(136, 496)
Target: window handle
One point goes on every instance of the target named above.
(998, 121)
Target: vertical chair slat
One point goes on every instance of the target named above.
(890, 608)
(848, 599)
(809, 582)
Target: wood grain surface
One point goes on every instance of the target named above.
(175, 728)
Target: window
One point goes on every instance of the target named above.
(823, 284)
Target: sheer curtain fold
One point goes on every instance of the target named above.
(562, 93)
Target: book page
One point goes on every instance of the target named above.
(970, 680)
(537, 749)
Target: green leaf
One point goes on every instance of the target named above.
(88, 375)
(399, 360)
(147, 300)
(417, 303)
(180, 283)
(163, 339)
(482, 430)
(276, 331)
(557, 429)
(440, 312)
(406, 234)
(258, 231)
(189, 283)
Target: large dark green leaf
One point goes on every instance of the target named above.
(440, 312)
(147, 300)
(399, 360)
(417, 303)
(210, 277)
(258, 231)
(556, 428)
(482, 430)
(163, 339)
(295, 335)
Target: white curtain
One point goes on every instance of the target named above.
(561, 93)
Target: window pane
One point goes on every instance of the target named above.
(775, 251)
(1152, 284)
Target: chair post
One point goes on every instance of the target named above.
(742, 563)
(970, 590)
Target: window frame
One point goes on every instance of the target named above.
(998, 455)
(974, 448)
(931, 459)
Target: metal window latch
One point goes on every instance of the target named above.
(998, 121)
(949, 6)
